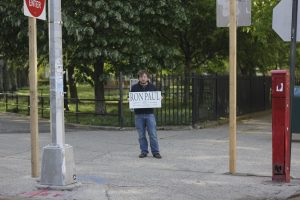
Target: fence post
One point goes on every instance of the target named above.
(28, 105)
(216, 96)
(17, 103)
(6, 106)
(162, 92)
(77, 110)
(194, 100)
(42, 102)
(121, 117)
(251, 92)
(265, 86)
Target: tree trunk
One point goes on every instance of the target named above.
(187, 79)
(72, 84)
(6, 78)
(22, 78)
(99, 87)
(13, 79)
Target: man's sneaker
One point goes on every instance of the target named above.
(143, 155)
(157, 155)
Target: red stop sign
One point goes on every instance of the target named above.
(35, 7)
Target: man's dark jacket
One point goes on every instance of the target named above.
(141, 88)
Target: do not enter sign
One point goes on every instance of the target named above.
(35, 8)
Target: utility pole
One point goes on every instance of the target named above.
(35, 146)
(58, 168)
(293, 63)
(232, 87)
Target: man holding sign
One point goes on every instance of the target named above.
(143, 97)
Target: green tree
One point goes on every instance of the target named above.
(102, 31)
(185, 32)
(12, 42)
(259, 47)
(14, 46)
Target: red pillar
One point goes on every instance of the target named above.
(281, 125)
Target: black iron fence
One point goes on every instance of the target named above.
(211, 96)
(186, 101)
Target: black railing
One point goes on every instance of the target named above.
(211, 96)
(186, 101)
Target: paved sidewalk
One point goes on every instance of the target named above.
(194, 164)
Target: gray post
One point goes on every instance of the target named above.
(56, 74)
(58, 168)
(293, 63)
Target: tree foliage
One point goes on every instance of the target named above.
(259, 47)
(154, 34)
(184, 31)
(13, 34)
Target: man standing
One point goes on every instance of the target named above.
(145, 119)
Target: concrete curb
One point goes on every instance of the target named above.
(60, 188)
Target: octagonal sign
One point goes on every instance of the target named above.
(35, 8)
(282, 20)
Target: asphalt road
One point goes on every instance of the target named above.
(194, 164)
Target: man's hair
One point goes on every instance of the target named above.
(142, 72)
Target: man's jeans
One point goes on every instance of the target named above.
(143, 121)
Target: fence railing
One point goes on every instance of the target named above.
(211, 96)
(186, 101)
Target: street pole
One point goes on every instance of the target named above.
(232, 87)
(58, 168)
(35, 172)
(293, 63)
(56, 74)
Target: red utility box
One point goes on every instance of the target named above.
(281, 125)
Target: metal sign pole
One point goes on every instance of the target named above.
(56, 74)
(58, 168)
(293, 62)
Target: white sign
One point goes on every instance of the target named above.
(35, 8)
(279, 88)
(282, 20)
(149, 99)
(243, 13)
